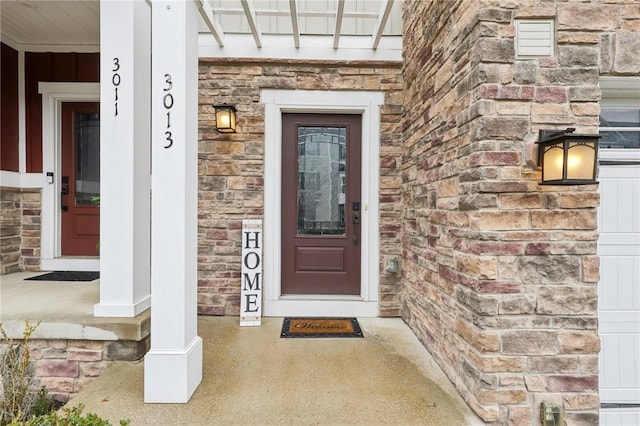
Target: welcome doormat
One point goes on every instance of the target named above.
(66, 276)
(321, 327)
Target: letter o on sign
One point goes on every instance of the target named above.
(256, 260)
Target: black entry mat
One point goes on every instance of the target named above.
(321, 327)
(66, 276)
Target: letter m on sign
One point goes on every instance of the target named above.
(250, 290)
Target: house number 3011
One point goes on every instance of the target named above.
(115, 80)
(167, 101)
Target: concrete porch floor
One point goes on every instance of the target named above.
(65, 310)
(252, 376)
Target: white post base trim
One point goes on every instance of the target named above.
(172, 376)
(124, 310)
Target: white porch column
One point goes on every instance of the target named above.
(173, 366)
(125, 91)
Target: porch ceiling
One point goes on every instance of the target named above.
(27, 23)
(295, 24)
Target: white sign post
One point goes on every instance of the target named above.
(251, 277)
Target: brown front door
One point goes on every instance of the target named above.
(80, 178)
(321, 174)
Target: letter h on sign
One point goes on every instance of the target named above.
(251, 275)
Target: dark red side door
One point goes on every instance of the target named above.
(80, 178)
(321, 173)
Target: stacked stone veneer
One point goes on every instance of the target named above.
(19, 231)
(231, 167)
(9, 231)
(64, 367)
(500, 273)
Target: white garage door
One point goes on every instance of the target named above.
(619, 293)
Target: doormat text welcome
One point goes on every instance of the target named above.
(321, 327)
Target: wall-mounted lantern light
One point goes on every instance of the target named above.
(567, 158)
(225, 118)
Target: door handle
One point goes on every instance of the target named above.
(65, 191)
(356, 222)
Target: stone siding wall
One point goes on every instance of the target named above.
(500, 273)
(19, 231)
(231, 166)
(64, 367)
(9, 231)
(31, 231)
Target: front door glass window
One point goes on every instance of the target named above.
(87, 140)
(322, 168)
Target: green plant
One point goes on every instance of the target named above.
(96, 200)
(20, 405)
(68, 416)
(17, 398)
(43, 403)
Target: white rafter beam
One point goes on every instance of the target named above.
(250, 13)
(339, 16)
(212, 22)
(301, 13)
(383, 17)
(293, 8)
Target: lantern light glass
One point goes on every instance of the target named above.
(225, 118)
(567, 158)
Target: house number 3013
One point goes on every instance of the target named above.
(115, 80)
(167, 102)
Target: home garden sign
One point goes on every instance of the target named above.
(251, 279)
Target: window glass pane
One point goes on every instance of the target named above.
(620, 118)
(322, 172)
(87, 140)
(619, 139)
(613, 128)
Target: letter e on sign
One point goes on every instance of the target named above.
(251, 274)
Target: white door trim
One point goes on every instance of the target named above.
(53, 95)
(308, 101)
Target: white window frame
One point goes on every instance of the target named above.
(368, 104)
(620, 93)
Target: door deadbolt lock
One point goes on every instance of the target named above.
(65, 189)
(65, 208)
(355, 207)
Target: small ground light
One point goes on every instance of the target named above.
(551, 414)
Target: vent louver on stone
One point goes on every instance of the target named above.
(534, 38)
